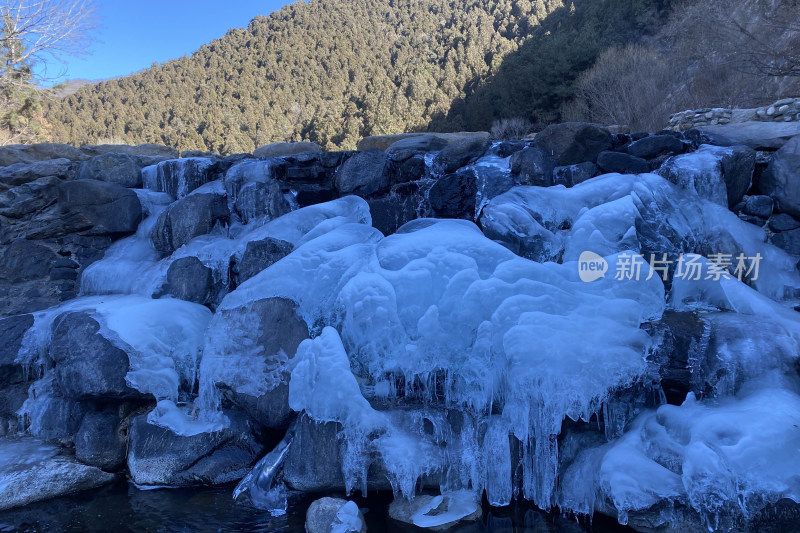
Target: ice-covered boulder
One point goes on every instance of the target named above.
(179, 177)
(195, 214)
(335, 515)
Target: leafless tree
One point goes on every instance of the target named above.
(40, 31)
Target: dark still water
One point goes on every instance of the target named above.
(123, 508)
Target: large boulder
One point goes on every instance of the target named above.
(364, 174)
(758, 206)
(31, 153)
(281, 332)
(25, 260)
(189, 279)
(122, 169)
(571, 143)
(789, 241)
(392, 211)
(453, 196)
(574, 174)
(159, 457)
(756, 135)
(12, 331)
(88, 366)
(100, 208)
(533, 167)
(622, 163)
(99, 441)
(783, 222)
(189, 217)
(259, 255)
(408, 147)
(460, 153)
(145, 151)
(261, 199)
(313, 462)
(179, 177)
(334, 514)
(29, 199)
(780, 179)
(433, 142)
(33, 472)
(20, 173)
(655, 146)
(283, 149)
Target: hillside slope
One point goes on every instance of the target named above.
(332, 71)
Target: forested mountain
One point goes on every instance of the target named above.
(333, 71)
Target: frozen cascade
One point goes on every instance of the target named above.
(438, 305)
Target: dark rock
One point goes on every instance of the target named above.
(25, 201)
(87, 365)
(259, 255)
(364, 174)
(783, 222)
(100, 443)
(574, 142)
(758, 206)
(412, 169)
(460, 153)
(189, 279)
(789, 241)
(311, 194)
(780, 181)
(453, 196)
(121, 169)
(655, 146)
(20, 173)
(189, 217)
(574, 174)
(159, 457)
(391, 212)
(12, 331)
(102, 208)
(314, 462)
(737, 169)
(261, 199)
(31, 153)
(58, 420)
(282, 331)
(622, 163)
(63, 274)
(533, 167)
(25, 260)
(507, 148)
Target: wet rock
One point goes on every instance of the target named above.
(334, 514)
(25, 260)
(189, 279)
(655, 146)
(121, 169)
(259, 255)
(283, 149)
(189, 217)
(88, 366)
(453, 196)
(33, 472)
(571, 143)
(412, 169)
(780, 181)
(100, 208)
(159, 457)
(574, 174)
(533, 167)
(622, 163)
(20, 173)
(364, 174)
(99, 442)
(460, 153)
(783, 222)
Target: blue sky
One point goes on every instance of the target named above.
(132, 34)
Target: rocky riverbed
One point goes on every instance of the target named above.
(461, 323)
